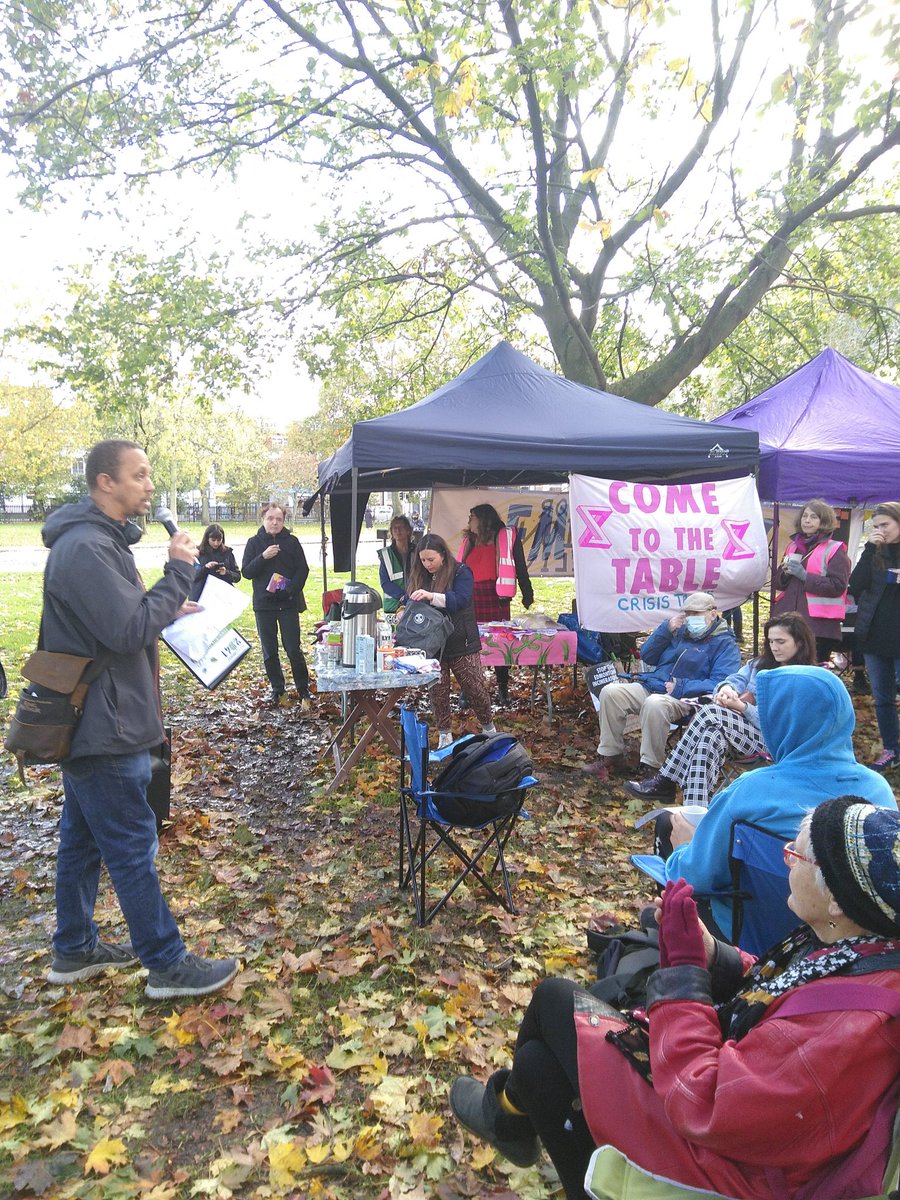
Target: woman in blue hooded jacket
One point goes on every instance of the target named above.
(807, 720)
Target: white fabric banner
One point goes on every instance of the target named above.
(640, 548)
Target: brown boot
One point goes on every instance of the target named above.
(603, 765)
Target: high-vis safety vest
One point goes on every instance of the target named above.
(827, 608)
(506, 567)
(394, 568)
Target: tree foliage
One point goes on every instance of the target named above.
(628, 179)
(150, 330)
(40, 439)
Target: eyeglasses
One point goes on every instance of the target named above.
(791, 855)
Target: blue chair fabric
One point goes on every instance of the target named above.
(424, 831)
(760, 882)
(759, 887)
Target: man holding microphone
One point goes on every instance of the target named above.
(95, 605)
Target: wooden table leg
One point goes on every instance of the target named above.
(365, 704)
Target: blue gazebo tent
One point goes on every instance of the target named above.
(505, 421)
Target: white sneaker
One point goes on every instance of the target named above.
(489, 729)
(444, 739)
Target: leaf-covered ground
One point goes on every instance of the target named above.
(324, 1069)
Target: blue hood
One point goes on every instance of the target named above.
(805, 713)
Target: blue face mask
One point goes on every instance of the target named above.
(696, 626)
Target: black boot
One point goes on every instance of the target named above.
(657, 787)
(477, 1106)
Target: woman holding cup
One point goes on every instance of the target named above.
(875, 583)
(813, 577)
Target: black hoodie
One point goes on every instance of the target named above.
(94, 601)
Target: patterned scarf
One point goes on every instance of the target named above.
(800, 958)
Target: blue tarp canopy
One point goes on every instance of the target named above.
(505, 421)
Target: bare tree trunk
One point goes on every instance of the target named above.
(204, 494)
(574, 361)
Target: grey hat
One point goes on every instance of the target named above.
(698, 602)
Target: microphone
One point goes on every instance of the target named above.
(165, 518)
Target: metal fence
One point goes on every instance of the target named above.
(188, 513)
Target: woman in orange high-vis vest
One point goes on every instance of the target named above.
(813, 577)
(495, 556)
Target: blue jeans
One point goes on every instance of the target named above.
(106, 819)
(883, 676)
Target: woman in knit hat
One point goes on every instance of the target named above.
(770, 1080)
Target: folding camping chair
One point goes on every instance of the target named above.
(420, 802)
(612, 1176)
(759, 888)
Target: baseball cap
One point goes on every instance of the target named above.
(698, 602)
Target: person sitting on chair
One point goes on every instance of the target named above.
(731, 722)
(807, 719)
(765, 1078)
(690, 654)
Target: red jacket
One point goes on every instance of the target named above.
(750, 1119)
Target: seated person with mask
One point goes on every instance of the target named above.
(690, 653)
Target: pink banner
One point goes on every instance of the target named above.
(504, 647)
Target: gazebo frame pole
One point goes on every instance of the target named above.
(354, 531)
(776, 520)
(323, 542)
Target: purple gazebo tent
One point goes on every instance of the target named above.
(829, 429)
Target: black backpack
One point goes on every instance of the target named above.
(488, 765)
(626, 958)
(423, 627)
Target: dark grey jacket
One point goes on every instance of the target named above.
(94, 600)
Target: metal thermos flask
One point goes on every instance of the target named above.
(359, 614)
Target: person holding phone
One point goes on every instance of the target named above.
(214, 558)
(813, 577)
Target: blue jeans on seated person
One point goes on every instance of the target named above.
(884, 674)
(106, 819)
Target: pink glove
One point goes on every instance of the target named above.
(680, 934)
